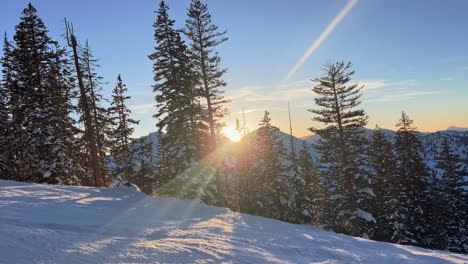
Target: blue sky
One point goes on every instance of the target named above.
(411, 55)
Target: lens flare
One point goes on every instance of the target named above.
(231, 133)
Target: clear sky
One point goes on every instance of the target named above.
(411, 55)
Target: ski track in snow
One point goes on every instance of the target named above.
(61, 224)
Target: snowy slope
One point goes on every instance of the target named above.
(58, 224)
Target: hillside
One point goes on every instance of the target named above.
(59, 224)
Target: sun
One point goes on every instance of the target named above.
(231, 133)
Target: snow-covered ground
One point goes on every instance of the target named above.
(58, 224)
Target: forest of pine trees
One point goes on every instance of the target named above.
(58, 127)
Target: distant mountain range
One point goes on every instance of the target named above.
(431, 144)
(454, 128)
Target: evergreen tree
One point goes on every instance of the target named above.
(312, 205)
(436, 214)
(296, 187)
(64, 163)
(385, 184)
(121, 131)
(269, 172)
(342, 148)
(455, 212)
(409, 218)
(245, 160)
(178, 111)
(145, 176)
(204, 39)
(6, 87)
(39, 115)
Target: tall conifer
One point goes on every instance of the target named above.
(341, 147)
(204, 39)
(385, 183)
(121, 130)
(410, 225)
(175, 98)
(455, 214)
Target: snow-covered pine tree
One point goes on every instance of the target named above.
(64, 166)
(121, 131)
(409, 219)
(436, 214)
(455, 215)
(295, 182)
(385, 184)
(178, 112)
(6, 87)
(204, 39)
(100, 119)
(144, 176)
(269, 172)
(245, 160)
(36, 121)
(342, 148)
(312, 206)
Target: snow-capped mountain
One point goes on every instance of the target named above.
(454, 128)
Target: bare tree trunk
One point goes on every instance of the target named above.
(90, 134)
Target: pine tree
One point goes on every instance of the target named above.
(38, 115)
(64, 164)
(269, 172)
(454, 216)
(204, 39)
(385, 184)
(145, 176)
(409, 217)
(296, 187)
(341, 147)
(6, 87)
(121, 131)
(245, 160)
(312, 205)
(436, 214)
(178, 112)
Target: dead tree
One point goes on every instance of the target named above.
(90, 132)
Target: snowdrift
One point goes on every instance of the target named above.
(61, 224)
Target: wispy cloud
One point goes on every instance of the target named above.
(282, 92)
(302, 89)
(142, 108)
(329, 29)
(401, 96)
(369, 85)
(253, 110)
(278, 95)
(447, 79)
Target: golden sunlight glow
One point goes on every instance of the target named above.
(231, 133)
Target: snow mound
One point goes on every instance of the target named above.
(61, 224)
